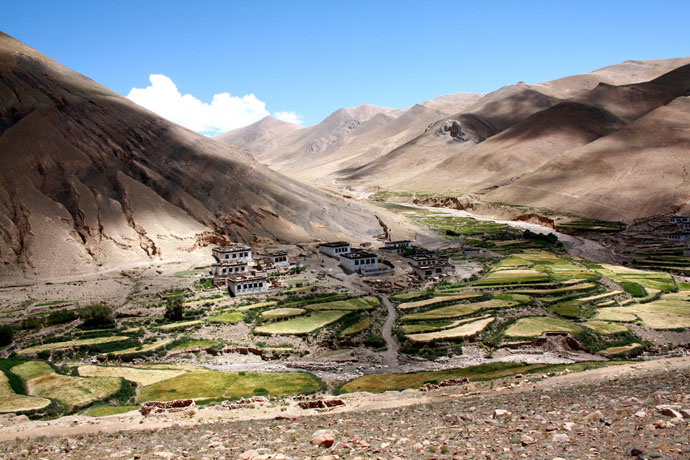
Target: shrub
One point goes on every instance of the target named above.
(174, 308)
(30, 323)
(96, 316)
(551, 238)
(61, 317)
(6, 335)
(260, 391)
(634, 289)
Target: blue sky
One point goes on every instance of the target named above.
(313, 57)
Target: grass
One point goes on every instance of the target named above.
(257, 305)
(463, 331)
(142, 377)
(634, 289)
(455, 311)
(357, 327)
(302, 325)
(71, 344)
(513, 277)
(405, 296)
(536, 326)
(230, 317)
(378, 383)
(190, 273)
(13, 402)
(559, 290)
(194, 344)
(180, 325)
(623, 350)
(570, 309)
(604, 327)
(195, 303)
(216, 385)
(149, 347)
(426, 327)
(592, 225)
(435, 300)
(41, 380)
(103, 411)
(277, 313)
(356, 304)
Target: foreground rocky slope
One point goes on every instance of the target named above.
(91, 181)
(612, 413)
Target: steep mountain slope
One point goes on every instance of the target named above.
(259, 136)
(92, 181)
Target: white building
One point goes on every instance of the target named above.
(397, 246)
(335, 249)
(278, 258)
(678, 220)
(232, 268)
(244, 285)
(233, 253)
(679, 237)
(428, 271)
(426, 258)
(356, 262)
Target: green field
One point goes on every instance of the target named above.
(647, 279)
(13, 402)
(357, 327)
(513, 277)
(570, 309)
(277, 313)
(415, 328)
(671, 311)
(617, 351)
(536, 326)
(194, 344)
(133, 374)
(257, 305)
(180, 325)
(103, 411)
(405, 296)
(456, 311)
(195, 303)
(435, 300)
(620, 314)
(604, 327)
(559, 290)
(230, 317)
(145, 348)
(41, 380)
(303, 324)
(215, 385)
(355, 304)
(468, 329)
(71, 344)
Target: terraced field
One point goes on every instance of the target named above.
(145, 348)
(277, 313)
(13, 402)
(71, 344)
(303, 324)
(354, 304)
(671, 311)
(140, 376)
(468, 329)
(436, 300)
(536, 326)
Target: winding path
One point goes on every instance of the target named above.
(392, 344)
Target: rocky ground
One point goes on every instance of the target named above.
(633, 411)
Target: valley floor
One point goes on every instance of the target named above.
(606, 413)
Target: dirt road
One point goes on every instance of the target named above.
(391, 354)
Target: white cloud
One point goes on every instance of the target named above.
(290, 117)
(225, 112)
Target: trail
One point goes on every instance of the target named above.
(392, 344)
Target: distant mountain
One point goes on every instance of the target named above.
(91, 181)
(259, 136)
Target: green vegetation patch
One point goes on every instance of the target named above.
(513, 277)
(605, 295)
(216, 385)
(671, 311)
(194, 344)
(303, 324)
(634, 289)
(71, 344)
(13, 402)
(455, 311)
(623, 350)
(536, 326)
(133, 374)
(206, 300)
(426, 327)
(71, 392)
(257, 305)
(357, 327)
(356, 304)
(180, 325)
(592, 225)
(647, 279)
(145, 348)
(620, 314)
(406, 296)
(468, 329)
(230, 317)
(604, 327)
(277, 313)
(570, 309)
(560, 290)
(104, 411)
(436, 300)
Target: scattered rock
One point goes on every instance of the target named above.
(499, 413)
(323, 438)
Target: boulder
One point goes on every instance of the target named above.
(323, 438)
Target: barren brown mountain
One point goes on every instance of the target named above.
(258, 137)
(92, 181)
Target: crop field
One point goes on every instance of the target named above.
(671, 311)
(42, 381)
(145, 348)
(435, 300)
(257, 305)
(180, 325)
(569, 309)
(71, 344)
(405, 296)
(415, 328)
(617, 351)
(458, 310)
(378, 383)
(303, 324)
(619, 314)
(468, 329)
(649, 280)
(536, 326)
(604, 327)
(13, 402)
(229, 317)
(357, 327)
(277, 313)
(194, 344)
(211, 300)
(560, 290)
(355, 304)
(462, 226)
(216, 385)
(605, 295)
(103, 411)
(140, 376)
(591, 225)
(513, 277)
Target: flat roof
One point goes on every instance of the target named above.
(424, 267)
(276, 254)
(241, 279)
(424, 256)
(229, 263)
(233, 248)
(397, 242)
(334, 244)
(359, 255)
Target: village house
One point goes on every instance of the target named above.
(233, 253)
(232, 268)
(679, 237)
(686, 228)
(426, 258)
(358, 261)
(678, 220)
(247, 284)
(397, 247)
(335, 249)
(278, 258)
(431, 270)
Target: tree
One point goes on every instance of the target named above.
(98, 315)
(174, 309)
(6, 335)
